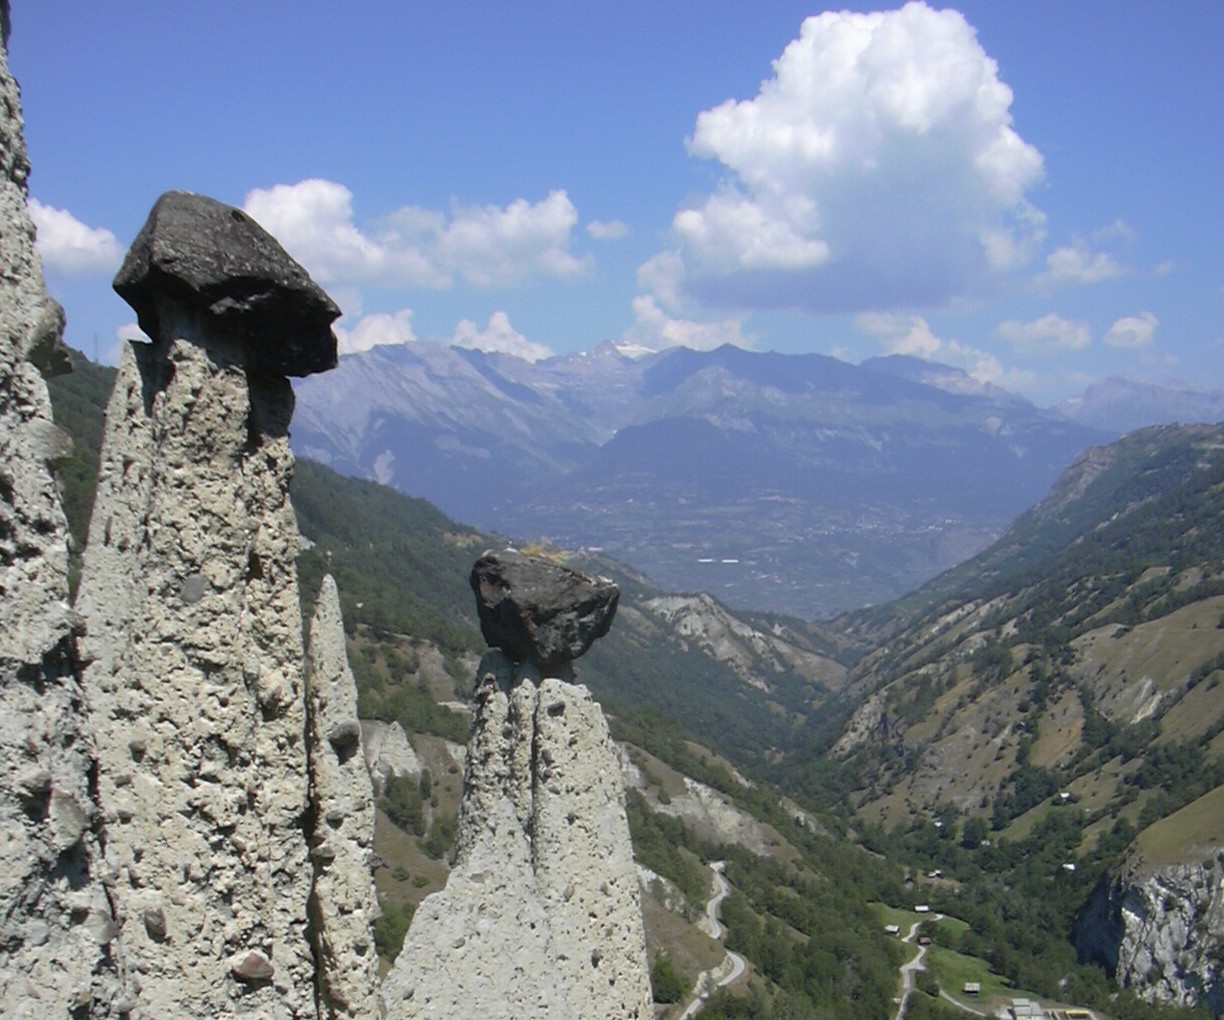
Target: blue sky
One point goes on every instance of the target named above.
(1032, 192)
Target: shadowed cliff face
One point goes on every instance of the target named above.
(1160, 932)
(57, 918)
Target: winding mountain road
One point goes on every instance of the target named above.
(909, 969)
(913, 966)
(732, 967)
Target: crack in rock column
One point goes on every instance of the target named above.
(58, 952)
(194, 630)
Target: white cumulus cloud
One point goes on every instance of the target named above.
(663, 276)
(313, 219)
(900, 334)
(487, 246)
(1076, 264)
(490, 246)
(498, 337)
(654, 329)
(379, 329)
(1047, 335)
(1132, 332)
(877, 167)
(70, 246)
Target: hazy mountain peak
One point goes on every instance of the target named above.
(948, 378)
(630, 349)
(1120, 405)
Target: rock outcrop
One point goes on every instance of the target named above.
(541, 915)
(186, 816)
(215, 260)
(387, 753)
(196, 678)
(539, 611)
(58, 955)
(1160, 931)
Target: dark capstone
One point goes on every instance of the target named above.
(539, 611)
(212, 257)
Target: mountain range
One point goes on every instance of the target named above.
(1120, 405)
(792, 483)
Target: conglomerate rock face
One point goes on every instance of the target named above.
(541, 915)
(186, 819)
(387, 753)
(196, 687)
(57, 917)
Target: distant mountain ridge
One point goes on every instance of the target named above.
(1119, 405)
(795, 483)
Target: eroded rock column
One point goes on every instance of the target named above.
(58, 952)
(344, 902)
(541, 915)
(196, 681)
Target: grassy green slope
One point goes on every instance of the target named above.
(1113, 508)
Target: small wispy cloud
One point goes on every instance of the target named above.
(485, 246)
(912, 335)
(1077, 265)
(379, 329)
(1132, 332)
(1048, 335)
(655, 329)
(607, 230)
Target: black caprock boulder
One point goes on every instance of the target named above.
(539, 611)
(214, 258)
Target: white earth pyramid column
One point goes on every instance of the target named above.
(196, 683)
(541, 915)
